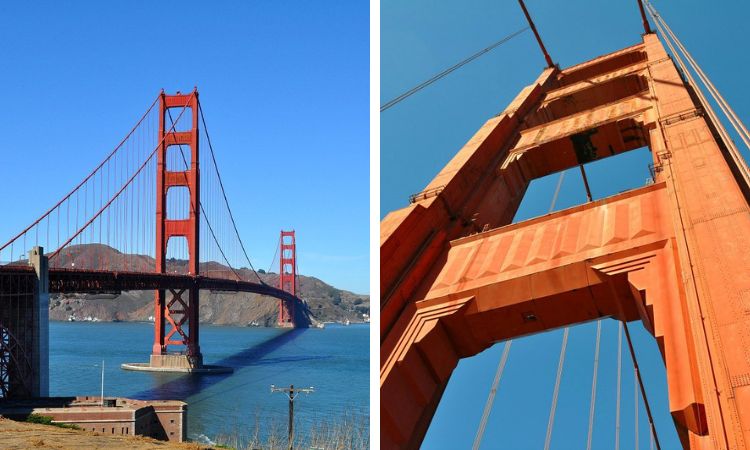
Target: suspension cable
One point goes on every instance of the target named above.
(276, 252)
(491, 397)
(736, 123)
(651, 440)
(635, 408)
(452, 68)
(640, 383)
(619, 385)
(733, 151)
(553, 407)
(224, 193)
(506, 350)
(203, 211)
(728, 111)
(592, 405)
(557, 192)
(127, 183)
(88, 177)
(556, 391)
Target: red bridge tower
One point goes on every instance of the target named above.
(181, 312)
(287, 277)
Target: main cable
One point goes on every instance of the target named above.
(733, 151)
(116, 195)
(728, 111)
(91, 174)
(203, 211)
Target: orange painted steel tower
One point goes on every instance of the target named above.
(183, 306)
(457, 277)
(287, 277)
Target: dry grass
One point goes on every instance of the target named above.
(349, 432)
(23, 435)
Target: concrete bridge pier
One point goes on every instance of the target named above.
(40, 324)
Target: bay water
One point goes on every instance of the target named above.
(334, 360)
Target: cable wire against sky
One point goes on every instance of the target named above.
(506, 350)
(224, 193)
(491, 397)
(447, 71)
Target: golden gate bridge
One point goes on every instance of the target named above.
(152, 215)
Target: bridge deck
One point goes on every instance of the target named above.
(93, 281)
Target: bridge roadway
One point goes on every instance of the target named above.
(96, 281)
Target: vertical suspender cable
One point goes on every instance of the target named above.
(640, 384)
(224, 194)
(635, 407)
(593, 384)
(536, 34)
(646, 26)
(558, 377)
(651, 440)
(506, 350)
(557, 191)
(728, 111)
(733, 151)
(556, 391)
(491, 398)
(619, 384)
(585, 182)
(276, 252)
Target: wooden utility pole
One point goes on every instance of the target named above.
(292, 393)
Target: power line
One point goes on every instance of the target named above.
(452, 68)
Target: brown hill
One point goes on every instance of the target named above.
(324, 302)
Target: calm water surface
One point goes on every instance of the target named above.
(334, 360)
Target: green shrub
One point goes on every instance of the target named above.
(46, 420)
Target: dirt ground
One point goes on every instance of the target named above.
(21, 435)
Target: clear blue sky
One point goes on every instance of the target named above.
(283, 85)
(418, 137)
